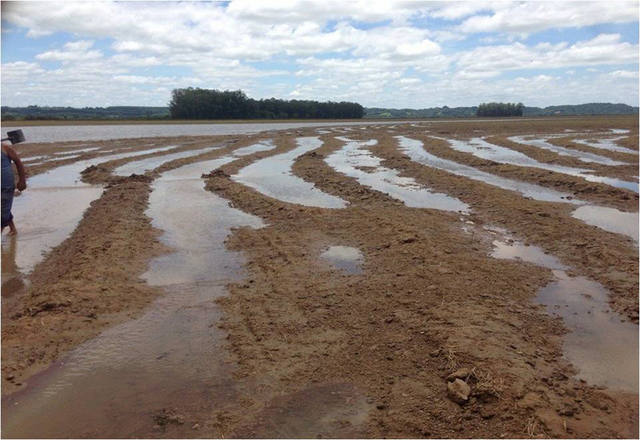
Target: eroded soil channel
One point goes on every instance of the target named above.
(609, 219)
(121, 383)
(260, 315)
(483, 149)
(49, 211)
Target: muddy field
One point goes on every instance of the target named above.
(424, 279)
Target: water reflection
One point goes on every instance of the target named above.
(355, 161)
(609, 219)
(606, 144)
(578, 154)
(484, 150)
(346, 258)
(273, 177)
(600, 345)
(171, 356)
(415, 150)
(150, 163)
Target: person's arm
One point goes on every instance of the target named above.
(22, 177)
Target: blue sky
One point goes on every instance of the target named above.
(379, 53)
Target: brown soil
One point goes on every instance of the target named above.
(429, 301)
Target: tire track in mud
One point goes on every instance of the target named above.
(429, 300)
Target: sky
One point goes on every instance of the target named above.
(394, 54)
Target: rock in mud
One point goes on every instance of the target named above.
(458, 391)
(461, 373)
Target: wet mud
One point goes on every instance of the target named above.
(257, 332)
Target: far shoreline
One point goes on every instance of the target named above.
(57, 122)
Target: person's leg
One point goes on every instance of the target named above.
(7, 202)
(12, 228)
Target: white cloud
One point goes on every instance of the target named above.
(624, 74)
(535, 16)
(603, 49)
(73, 51)
(375, 52)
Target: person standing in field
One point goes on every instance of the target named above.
(9, 184)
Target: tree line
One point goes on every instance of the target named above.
(500, 109)
(37, 113)
(196, 103)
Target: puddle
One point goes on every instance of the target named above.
(348, 259)
(609, 219)
(170, 357)
(529, 254)
(580, 155)
(484, 150)
(619, 131)
(12, 282)
(415, 150)
(272, 176)
(352, 158)
(602, 347)
(606, 144)
(151, 163)
(255, 148)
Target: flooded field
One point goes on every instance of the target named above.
(325, 280)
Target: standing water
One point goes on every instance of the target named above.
(346, 258)
(355, 161)
(600, 345)
(578, 154)
(170, 357)
(273, 177)
(485, 150)
(609, 219)
(51, 207)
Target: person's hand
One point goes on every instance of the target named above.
(22, 185)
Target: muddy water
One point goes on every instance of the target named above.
(346, 258)
(580, 155)
(484, 150)
(606, 144)
(609, 219)
(63, 133)
(415, 150)
(150, 163)
(531, 254)
(170, 357)
(602, 347)
(354, 160)
(51, 207)
(273, 177)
